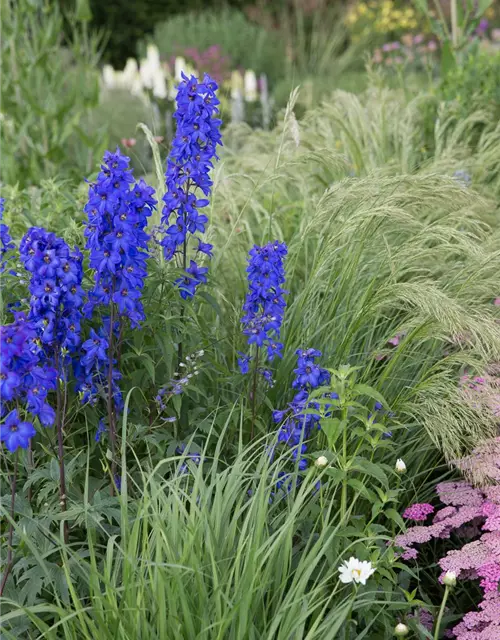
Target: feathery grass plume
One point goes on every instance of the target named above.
(369, 258)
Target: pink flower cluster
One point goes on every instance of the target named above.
(211, 61)
(483, 624)
(468, 511)
(482, 393)
(418, 512)
(410, 49)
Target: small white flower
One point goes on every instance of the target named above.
(401, 630)
(400, 466)
(321, 462)
(355, 570)
(450, 579)
(182, 364)
(201, 353)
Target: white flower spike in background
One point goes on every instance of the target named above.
(357, 571)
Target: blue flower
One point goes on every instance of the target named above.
(296, 425)
(25, 375)
(55, 286)
(117, 214)
(16, 433)
(265, 302)
(188, 167)
(244, 362)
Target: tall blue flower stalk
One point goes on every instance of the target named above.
(23, 388)
(24, 384)
(56, 305)
(264, 307)
(297, 425)
(6, 244)
(188, 178)
(117, 215)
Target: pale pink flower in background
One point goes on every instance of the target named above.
(128, 142)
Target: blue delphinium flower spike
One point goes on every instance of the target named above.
(187, 177)
(265, 301)
(297, 426)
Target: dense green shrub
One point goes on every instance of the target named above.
(49, 85)
(247, 45)
(127, 21)
(474, 84)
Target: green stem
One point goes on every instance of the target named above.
(441, 613)
(10, 553)
(254, 393)
(343, 499)
(60, 442)
(349, 615)
(110, 400)
(454, 23)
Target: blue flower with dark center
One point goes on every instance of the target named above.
(16, 433)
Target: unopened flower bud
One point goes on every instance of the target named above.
(401, 630)
(450, 579)
(321, 462)
(400, 466)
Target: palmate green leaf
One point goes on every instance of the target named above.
(32, 582)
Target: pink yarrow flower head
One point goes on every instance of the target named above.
(418, 512)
